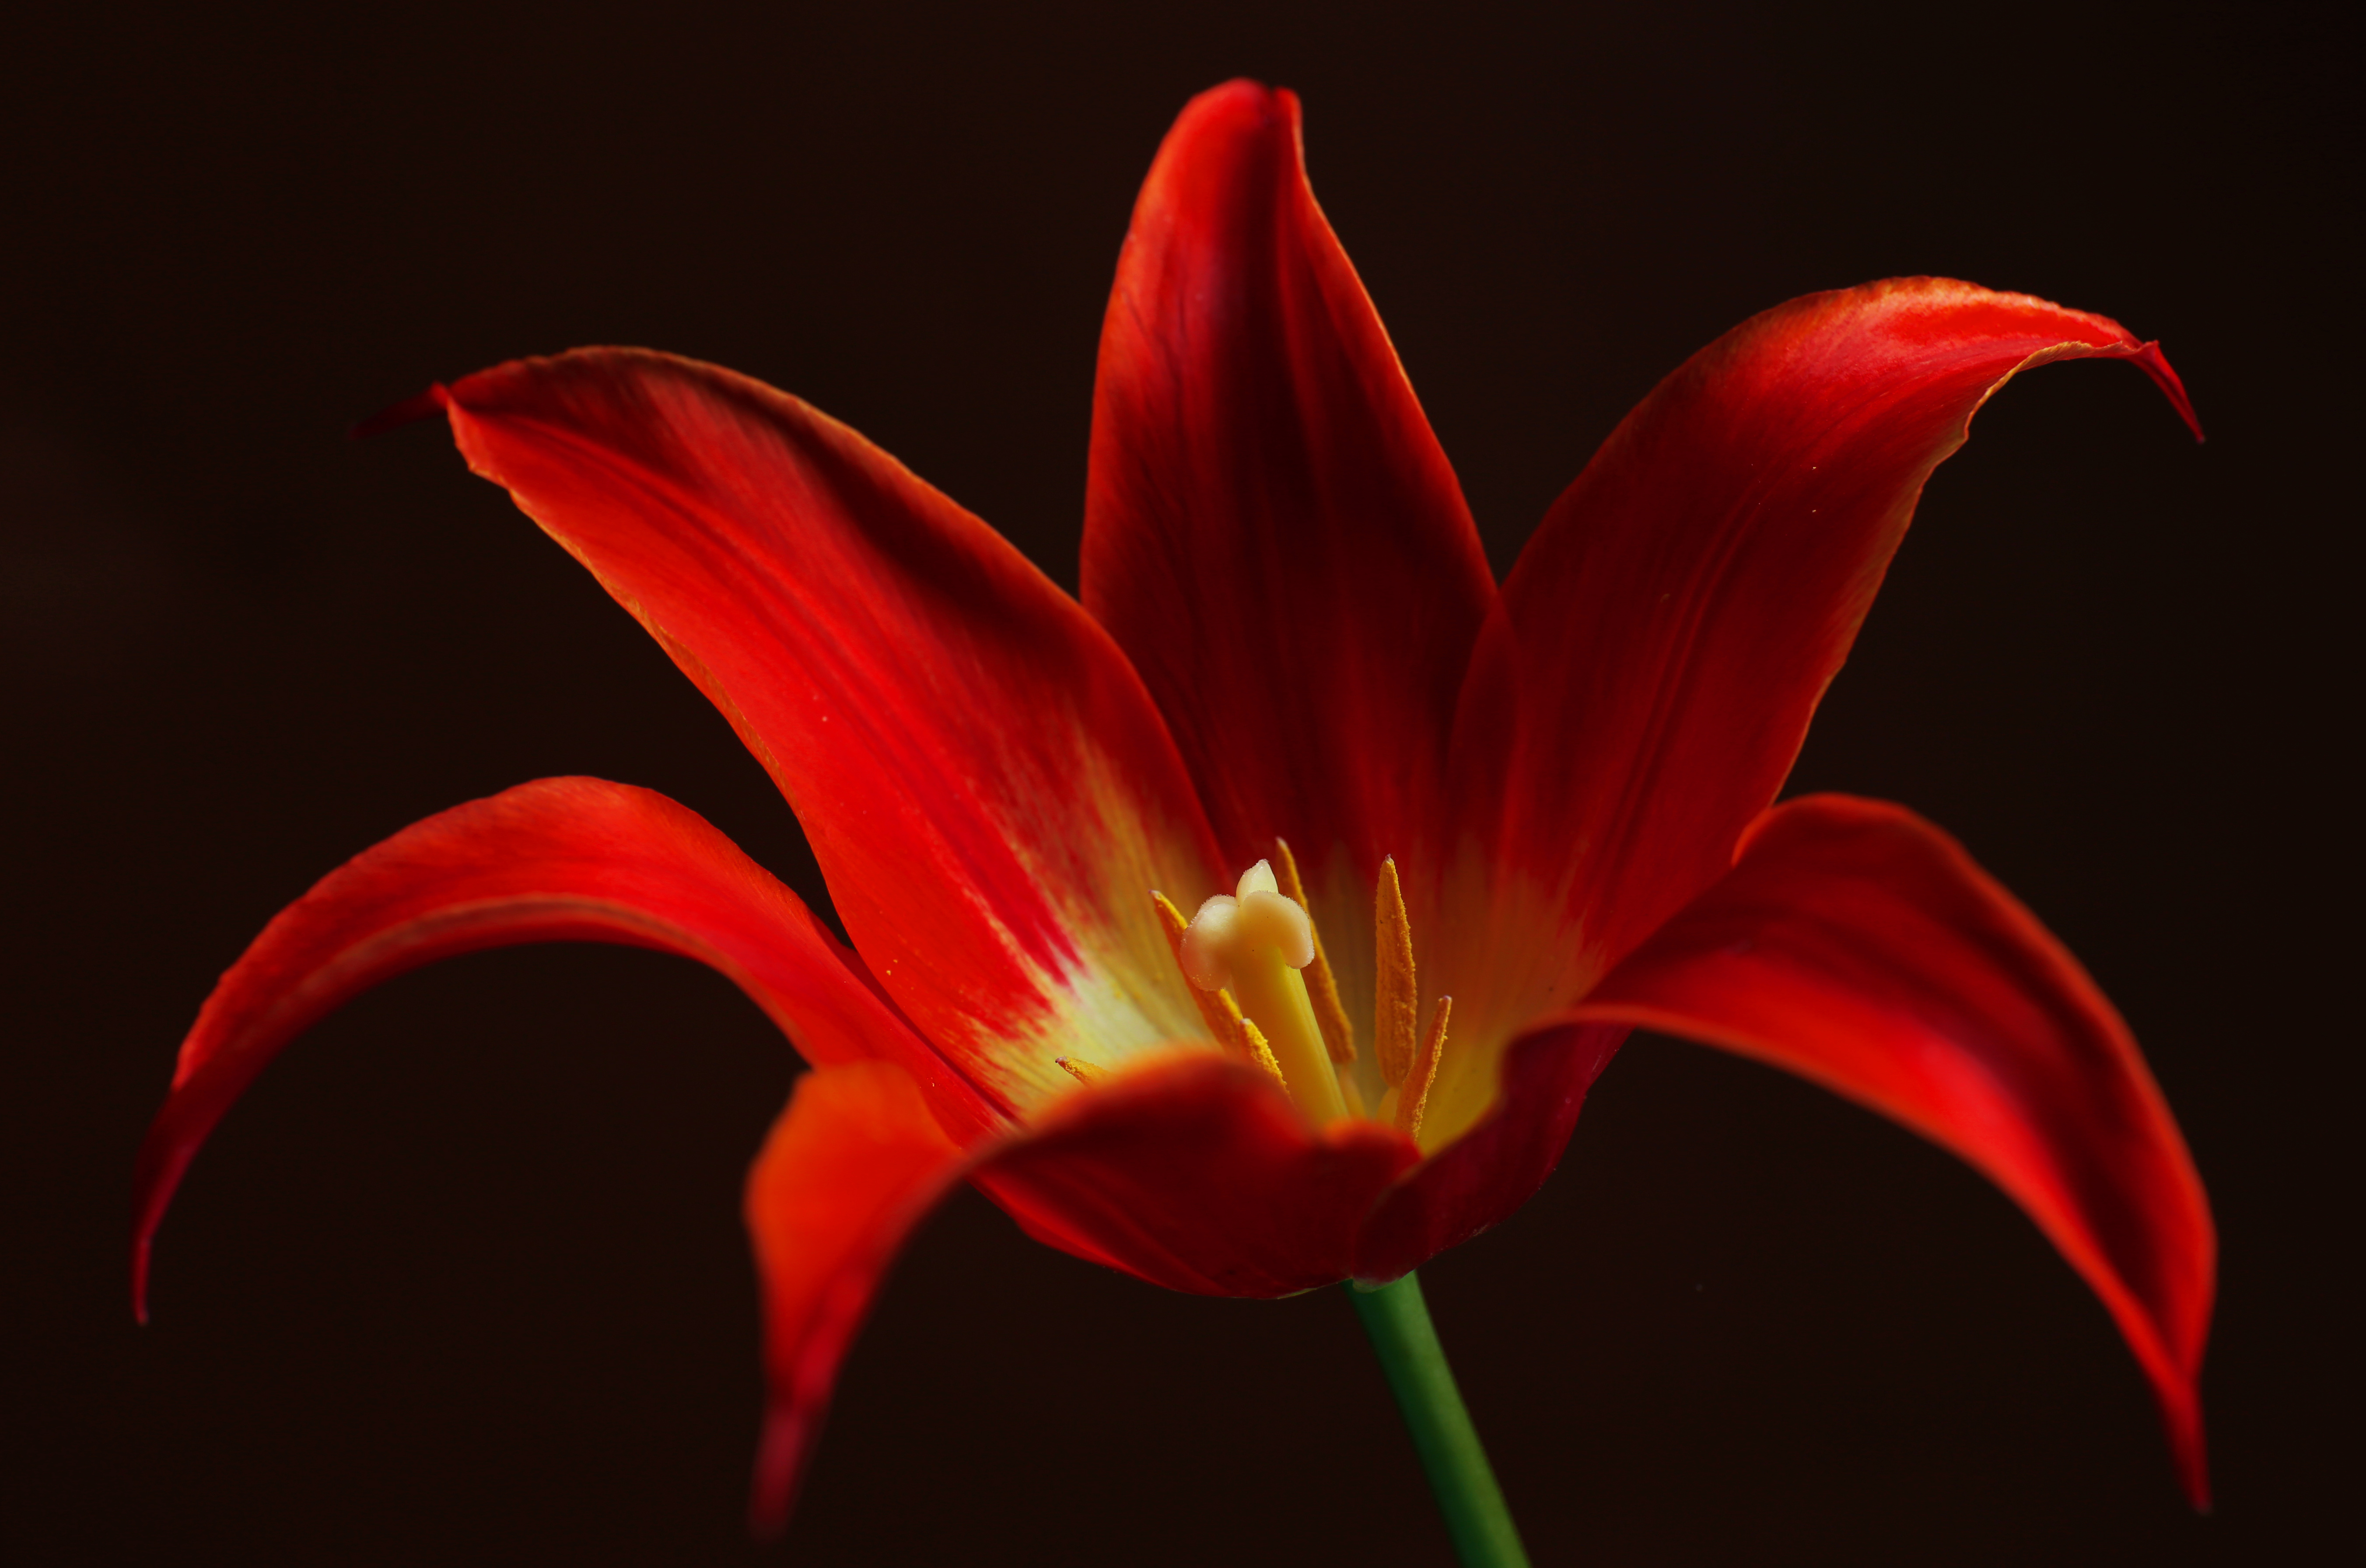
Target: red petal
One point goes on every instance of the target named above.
(987, 787)
(1270, 529)
(1479, 1179)
(1858, 946)
(556, 859)
(1194, 1173)
(1684, 602)
(851, 1166)
(1197, 1175)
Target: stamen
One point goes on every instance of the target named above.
(1217, 1009)
(1396, 1013)
(1082, 1070)
(1322, 986)
(1228, 1017)
(1262, 1053)
(1414, 1097)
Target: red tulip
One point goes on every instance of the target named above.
(1550, 800)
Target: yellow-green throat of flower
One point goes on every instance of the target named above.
(1255, 964)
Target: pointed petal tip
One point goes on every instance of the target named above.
(2188, 1448)
(1677, 508)
(1857, 945)
(166, 1150)
(780, 1470)
(140, 1280)
(1241, 95)
(2150, 359)
(854, 1162)
(410, 411)
(1255, 440)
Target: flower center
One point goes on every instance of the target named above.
(1256, 964)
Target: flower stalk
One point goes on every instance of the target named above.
(1480, 1524)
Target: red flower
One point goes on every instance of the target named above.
(1288, 633)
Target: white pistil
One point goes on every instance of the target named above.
(1255, 914)
(1255, 941)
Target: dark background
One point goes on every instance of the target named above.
(462, 1281)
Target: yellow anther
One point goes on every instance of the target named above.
(1413, 1099)
(1396, 1013)
(1227, 1013)
(1170, 917)
(1217, 1009)
(1322, 986)
(1082, 1070)
(1262, 1053)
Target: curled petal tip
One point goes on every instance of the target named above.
(2192, 1453)
(410, 411)
(2155, 364)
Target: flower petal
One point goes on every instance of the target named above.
(853, 1163)
(1477, 1180)
(1856, 945)
(568, 859)
(1198, 1174)
(986, 784)
(1686, 599)
(1192, 1172)
(1271, 531)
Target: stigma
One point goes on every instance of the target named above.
(1254, 915)
(1255, 964)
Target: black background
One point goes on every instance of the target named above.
(461, 1281)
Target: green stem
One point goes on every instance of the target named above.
(1480, 1526)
